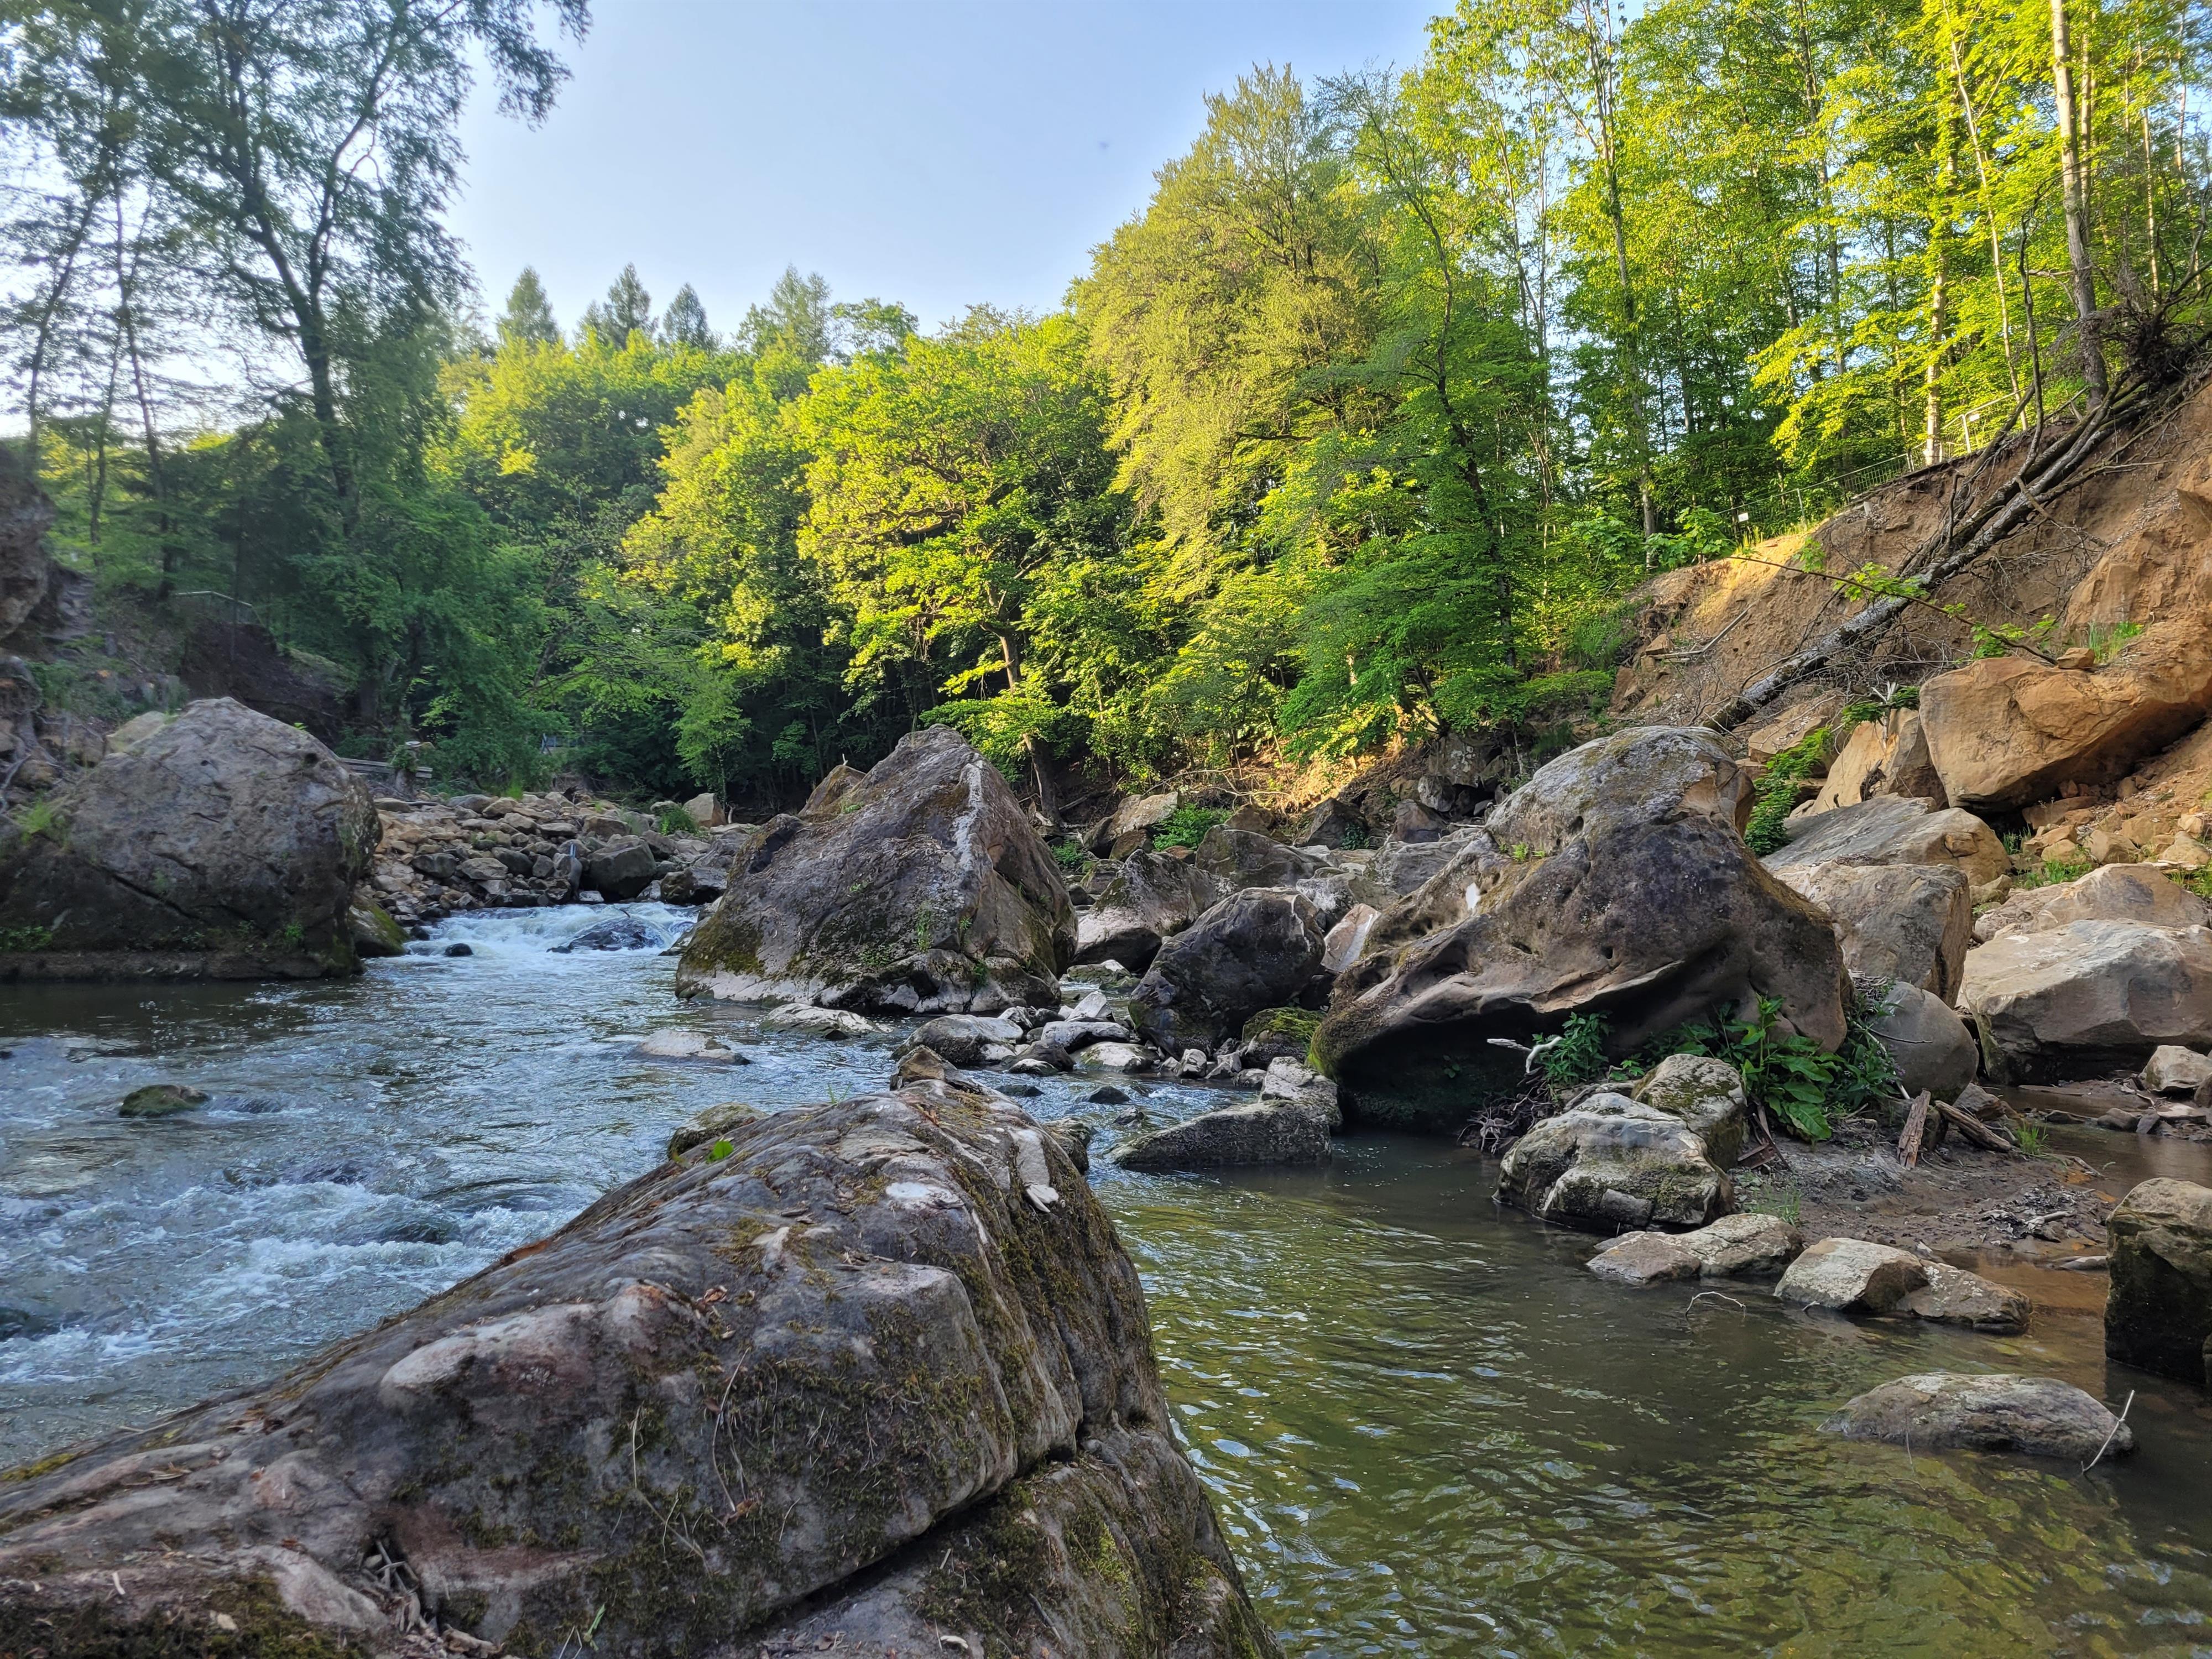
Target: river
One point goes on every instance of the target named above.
(1427, 1429)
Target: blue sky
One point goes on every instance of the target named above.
(935, 153)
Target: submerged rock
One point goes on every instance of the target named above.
(1616, 880)
(848, 1387)
(615, 933)
(1611, 1164)
(919, 888)
(2159, 1316)
(160, 1100)
(225, 845)
(676, 1043)
(1749, 1246)
(1955, 1296)
(822, 1022)
(2037, 1416)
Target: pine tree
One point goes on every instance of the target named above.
(685, 325)
(528, 318)
(627, 310)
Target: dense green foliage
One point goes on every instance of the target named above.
(1359, 432)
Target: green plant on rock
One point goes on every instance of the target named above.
(1778, 789)
(1073, 860)
(1577, 1054)
(20, 941)
(2053, 872)
(42, 817)
(2034, 1138)
(675, 821)
(1186, 826)
(1769, 1196)
(1788, 1075)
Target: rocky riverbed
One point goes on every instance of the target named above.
(1426, 1428)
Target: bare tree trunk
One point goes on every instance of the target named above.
(2077, 215)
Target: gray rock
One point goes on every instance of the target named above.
(1347, 940)
(1612, 1163)
(1263, 1132)
(920, 888)
(1074, 1136)
(1955, 1296)
(715, 1123)
(1749, 1246)
(225, 844)
(676, 1043)
(1850, 1275)
(1895, 829)
(1930, 1044)
(2159, 1315)
(1151, 897)
(614, 933)
(620, 870)
(1288, 1080)
(1115, 1057)
(2078, 998)
(1256, 949)
(935, 1296)
(1615, 879)
(2037, 1416)
(1707, 1095)
(968, 1039)
(2172, 1070)
(1912, 923)
(1240, 858)
(822, 1022)
(1073, 1035)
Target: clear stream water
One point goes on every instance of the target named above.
(1427, 1429)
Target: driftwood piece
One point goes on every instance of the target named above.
(1975, 1130)
(1915, 1125)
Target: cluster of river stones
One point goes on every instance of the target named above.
(877, 1375)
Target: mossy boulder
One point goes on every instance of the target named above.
(879, 1372)
(1613, 1165)
(2159, 1316)
(919, 887)
(160, 1100)
(225, 844)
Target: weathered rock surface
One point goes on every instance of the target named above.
(1913, 923)
(2159, 1315)
(969, 1039)
(620, 870)
(1346, 942)
(1707, 1095)
(1894, 829)
(922, 888)
(224, 844)
(1256, 949)
(1749, 1245)
(1850, 1275)
(1611, 1164)
(1930, 1044)
(1263, 1132)
(2037, 1416)
(2172, 1070)
(2084, 996)
(1886, 755)
(2116, 892)
(1955, 1296)
(1149, 899)
(879, 1376)
(1240, 858)
(1616, 881)
(2006, 731)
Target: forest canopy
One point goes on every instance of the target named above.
(1361, 430)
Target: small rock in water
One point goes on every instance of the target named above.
(1107, 1095)
(2038, 1416)
(459, 951)
(1020, 1090)
(822, 1022)
(22, 1322)
(159, 1100)
(615, 933)
(679, 1044)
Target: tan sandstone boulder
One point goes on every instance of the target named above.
(2006, 731)
(2117, 892)
(2082, 997)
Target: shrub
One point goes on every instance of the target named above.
(675, 821)
(1577, 1054)
(1777, 790)
(1186, 826)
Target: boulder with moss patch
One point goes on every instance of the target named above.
(878, 1375)
(919, 888)
(1610, 1164)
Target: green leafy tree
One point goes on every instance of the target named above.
(528, 318)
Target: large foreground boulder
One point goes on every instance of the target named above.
(2036, 1416)
(224, 844)
(2159, 1315)
(1612, 1164)
(1615, 882)
(877, 1378)
(2087, 996)
(919, 887)
(1149, 899)
(1257, 949)
(2006, 731)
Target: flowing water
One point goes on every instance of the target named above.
(1426, 1429)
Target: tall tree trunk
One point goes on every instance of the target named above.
(2077, 214)
(1939, 273)
(1047, 803)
